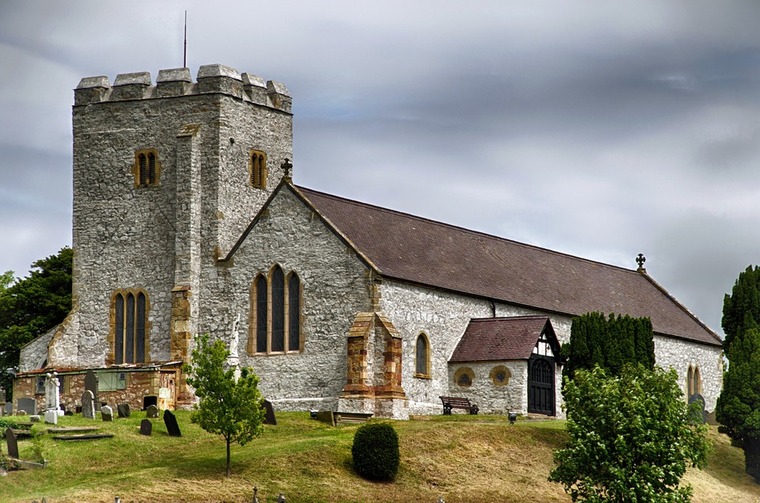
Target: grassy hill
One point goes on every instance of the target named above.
(462, 458)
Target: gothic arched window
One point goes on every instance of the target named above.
(422, 357)
(275, 316)
(130, 326)
(257, 169)
(146, 168)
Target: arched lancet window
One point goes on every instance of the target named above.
(294, 312)
(147, 168)
(130, 327)
(693, 382)
(257, 167)
(422, 357)
(275, 313)
(143, 164)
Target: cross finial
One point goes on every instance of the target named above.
(287, 169)
(640, 260)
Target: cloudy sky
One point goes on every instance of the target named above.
(599, 129)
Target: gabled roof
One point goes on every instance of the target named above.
(422, 251)
(495, 339)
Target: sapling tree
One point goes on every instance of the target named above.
(631, 437)
(228, 407)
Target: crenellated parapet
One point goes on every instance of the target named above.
(176, 82)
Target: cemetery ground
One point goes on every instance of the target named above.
(460, 457)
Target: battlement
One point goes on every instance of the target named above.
(178, 82)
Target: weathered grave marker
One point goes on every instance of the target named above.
(51, 416)
(106, 413)
(8, 408)
(151, 412)
(172, 427)
(269, 413)
(91, 384)
(12, 442)
(52, 393)
(123, 410)
(28, 405)
(88, 405)
(146, 427)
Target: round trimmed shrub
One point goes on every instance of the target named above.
(375, 451)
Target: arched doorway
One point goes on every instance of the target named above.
(541, 385)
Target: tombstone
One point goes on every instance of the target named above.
(8, 408)
(88, 405)
(34, 418)
(697, 412)
(28, 405)
(146, 427)
(10, 438)
(91, 384)
(123, 410)
(51, 416)
(269, 413)
(171, 424)
(2, 400)
(106, 413)
(151, 412)
(52, 393)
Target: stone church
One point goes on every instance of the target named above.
(186, 220)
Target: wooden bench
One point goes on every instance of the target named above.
(453, 402)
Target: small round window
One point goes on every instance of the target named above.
(500, 375)
(464, 377)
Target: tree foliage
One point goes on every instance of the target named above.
(631, 437)
(738, 407)
(227, 407)
(32, 305)
(609, 343)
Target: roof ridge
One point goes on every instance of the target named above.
(463, 229)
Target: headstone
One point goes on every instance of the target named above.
(28, 405)
(10, 438)
(51, 416)
(34, 418)
(106, 413)
(8, 408)
(91, 384)
(146, 427)
(52, 393)
(269, 413)
(697, 412)
(123, 410)
(88, 405)
(151, 412)
(171, 424)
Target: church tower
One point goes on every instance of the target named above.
(167, 176)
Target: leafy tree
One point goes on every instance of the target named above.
(228, 407)
(31, 306)
(738, 407)
(609, 343)
(631, 437)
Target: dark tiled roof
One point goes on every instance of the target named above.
(487, 339)
(418, 250)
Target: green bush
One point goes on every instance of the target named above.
(375, 451)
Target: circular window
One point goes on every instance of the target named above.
(500, 375)
(464, 377)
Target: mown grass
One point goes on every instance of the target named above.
(462, 458)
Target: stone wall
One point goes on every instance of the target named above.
(491, 396)
(334, 285)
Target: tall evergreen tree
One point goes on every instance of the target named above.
(738, 407)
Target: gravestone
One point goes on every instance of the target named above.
(8, 408)
(12, 442)
(2, 401)
(28, 405)
(151, 412)
(88, 405)
(269, 413)
(123, 410)
(34, 418)
(171, 424)
(52, 393)
(51, 416)
(91, 384)
(146, 427)
(698, 412)
(106, 413)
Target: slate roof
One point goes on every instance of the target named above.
(422, 251)
(489, 339)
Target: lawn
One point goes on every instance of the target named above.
(461, 458)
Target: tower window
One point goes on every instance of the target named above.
(257, 169)
(146, 168)
(130, 326)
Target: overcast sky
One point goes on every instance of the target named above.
(598, 129)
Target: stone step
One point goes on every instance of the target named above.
(83, 436)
